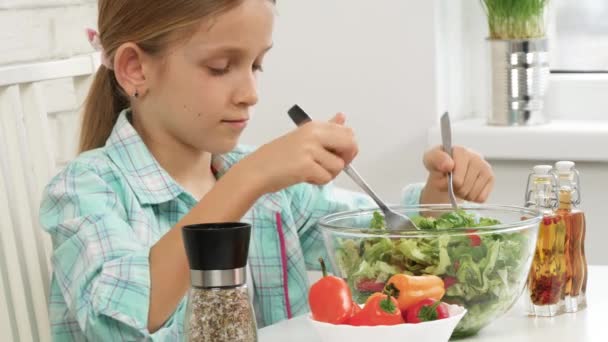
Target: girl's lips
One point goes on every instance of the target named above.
(238, 124)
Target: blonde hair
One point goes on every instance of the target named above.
(153, 26)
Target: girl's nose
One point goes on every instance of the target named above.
(248, 91)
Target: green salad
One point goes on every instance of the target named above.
(482, 271)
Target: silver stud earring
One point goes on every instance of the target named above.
(136, 94)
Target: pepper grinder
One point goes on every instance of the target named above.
(219, 308)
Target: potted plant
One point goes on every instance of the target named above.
(519, 66)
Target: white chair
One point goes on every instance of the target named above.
(29, 156)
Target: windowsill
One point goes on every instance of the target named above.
(558, 140)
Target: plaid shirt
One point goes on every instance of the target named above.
(109, 206)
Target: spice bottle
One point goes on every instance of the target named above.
(219, 308)
(574, 219)
(548, 272)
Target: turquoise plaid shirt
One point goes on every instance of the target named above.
(109, 206)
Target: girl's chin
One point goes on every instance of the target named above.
(228, 145)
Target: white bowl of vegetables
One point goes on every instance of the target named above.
(414, 314)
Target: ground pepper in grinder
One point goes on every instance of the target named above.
(219, 309)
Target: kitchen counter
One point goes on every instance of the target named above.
(590, 324)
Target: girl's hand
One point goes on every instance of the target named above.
(473, 176)
(314, 153)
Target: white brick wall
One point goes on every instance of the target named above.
(38, 30)
(43, 30)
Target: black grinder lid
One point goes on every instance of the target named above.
(217, 246)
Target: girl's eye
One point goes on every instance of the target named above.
(258, 67)
(218, 71)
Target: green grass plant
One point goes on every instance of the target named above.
(515, 19)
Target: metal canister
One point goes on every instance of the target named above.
(519, 73)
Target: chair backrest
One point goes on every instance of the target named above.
(34, 124)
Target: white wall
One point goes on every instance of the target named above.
(374, 61)
(32, 30)
(41, 30)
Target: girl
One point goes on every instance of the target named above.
(159, 151)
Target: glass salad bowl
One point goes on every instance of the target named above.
(483, 253)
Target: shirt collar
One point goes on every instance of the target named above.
(150, 182)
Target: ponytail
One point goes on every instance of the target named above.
(101, 109)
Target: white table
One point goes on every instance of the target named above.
(590, 324)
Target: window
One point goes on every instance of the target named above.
(579, 36)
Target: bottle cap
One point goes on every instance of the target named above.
(564, 166)
(542, 169)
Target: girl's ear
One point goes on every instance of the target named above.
(129, 69)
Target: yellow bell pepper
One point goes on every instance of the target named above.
(410, 290)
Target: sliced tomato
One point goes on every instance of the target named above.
(475, 239)
(449, 281)
(369, 285)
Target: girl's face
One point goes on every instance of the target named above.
(200, 95)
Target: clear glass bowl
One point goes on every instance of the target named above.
(484, 268)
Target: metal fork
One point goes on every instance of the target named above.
(394, 220)
(446, 138)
